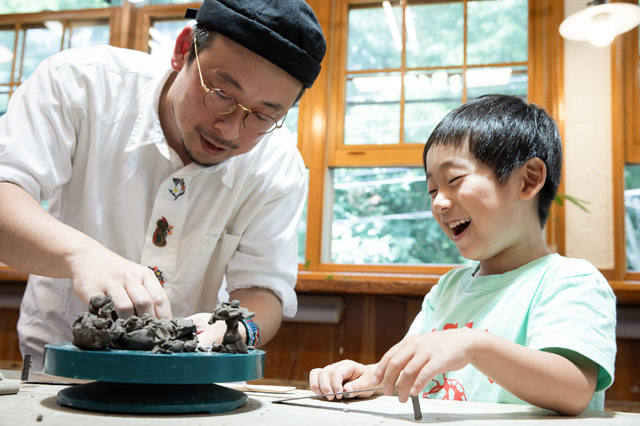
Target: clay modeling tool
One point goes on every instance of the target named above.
(415, 401)
(417, 412)
(280, 401)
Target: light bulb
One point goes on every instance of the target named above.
(602, 32)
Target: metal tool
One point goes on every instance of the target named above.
(415, 401)
(280, 401)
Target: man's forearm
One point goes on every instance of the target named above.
(30, 239)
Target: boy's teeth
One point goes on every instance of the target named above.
(458, 223)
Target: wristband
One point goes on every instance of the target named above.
(253, 332)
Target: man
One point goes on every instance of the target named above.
(163, 182)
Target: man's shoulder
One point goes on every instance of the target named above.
(110, 58)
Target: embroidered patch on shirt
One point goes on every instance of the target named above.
(163, 229)
(158, 273)
(179, 188)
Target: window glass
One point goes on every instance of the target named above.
(7, 40)
(632, 215)
(302, 229)
(504, 80)
(435, 34)
(497, 31)
(163, 35)
(172, 1)
(372, 109)
(429, 96)
(40, 43)
(291, 122)
(4, 99)
(23, 6)
(374, 40)
(83, 34)
(382, 216)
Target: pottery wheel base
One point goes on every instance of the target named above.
(152, 399)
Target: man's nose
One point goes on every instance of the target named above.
(230, 125)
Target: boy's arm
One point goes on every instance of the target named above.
(342, 376)
(540, 378)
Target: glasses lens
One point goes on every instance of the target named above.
(219, 102)
(259, 123)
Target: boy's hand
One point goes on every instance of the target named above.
(412, 363)
(342, 376)
(208, 333)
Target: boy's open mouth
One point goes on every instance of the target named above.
(459, 227)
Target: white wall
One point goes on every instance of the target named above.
(587, 142)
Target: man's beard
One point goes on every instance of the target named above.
(195, 160)
(219, 141)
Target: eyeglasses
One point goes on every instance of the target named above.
(215, 100)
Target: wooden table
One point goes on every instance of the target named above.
(36, 404)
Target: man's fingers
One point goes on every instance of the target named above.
(160, 301)
(121, 302)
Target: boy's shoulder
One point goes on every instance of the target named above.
(550, 268)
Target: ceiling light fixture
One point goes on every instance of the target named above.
(600, 22)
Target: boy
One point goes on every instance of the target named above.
(523, 325)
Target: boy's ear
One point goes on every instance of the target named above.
(534, 175)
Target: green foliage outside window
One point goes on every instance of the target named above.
(382, 216)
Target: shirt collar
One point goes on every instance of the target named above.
(147, 129)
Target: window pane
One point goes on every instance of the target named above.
(503, 80)
(40, 43)
(632, 215)
(372, 110)
(84, 34)
(163, 35)
(4, 99)
(302, 230)
(7, 39)
(428, 98)
(371, 43)
(435, 34)
(171, 1)
(382, 216)
(23, 6)
(291, 122)
(497, 31)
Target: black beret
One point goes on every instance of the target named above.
(285, 32)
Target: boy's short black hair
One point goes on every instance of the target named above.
(503, 132)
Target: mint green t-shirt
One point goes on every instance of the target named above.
(553, 303)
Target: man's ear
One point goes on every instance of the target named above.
(534, 175)
(182, 48)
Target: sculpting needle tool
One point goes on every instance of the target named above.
(280, 401)
(415, 401)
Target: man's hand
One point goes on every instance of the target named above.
(412, 363)
(342, 376)
(133, 288)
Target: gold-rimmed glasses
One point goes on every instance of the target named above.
(216, 100)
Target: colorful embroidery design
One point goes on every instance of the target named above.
(158, 273)
(179, 188)
(163, 229)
